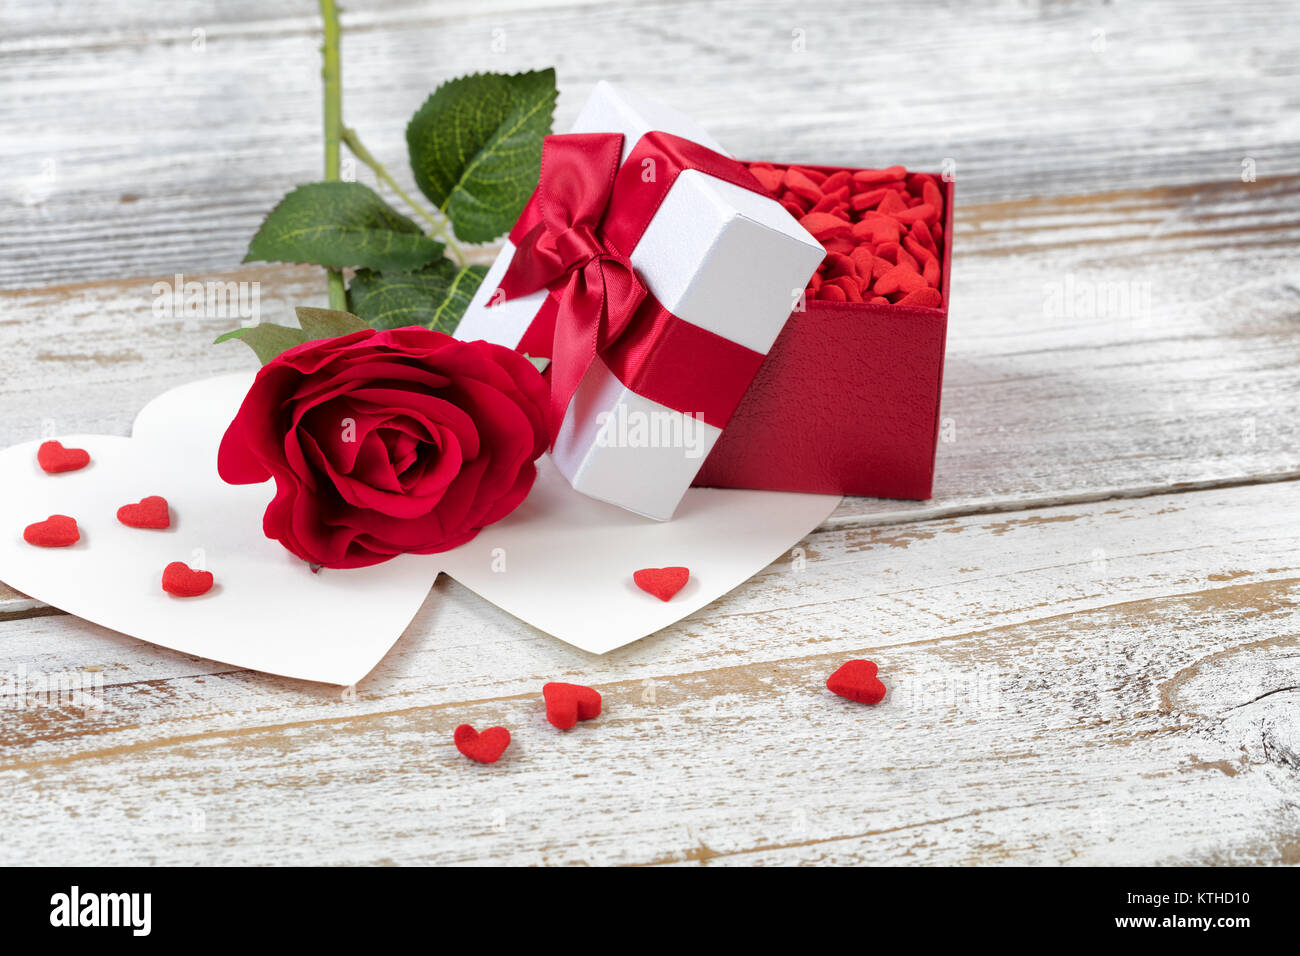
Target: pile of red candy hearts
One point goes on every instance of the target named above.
(882, 229)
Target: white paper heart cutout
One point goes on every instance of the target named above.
(561, 562)
(267, 611)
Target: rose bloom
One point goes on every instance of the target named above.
(387, 443)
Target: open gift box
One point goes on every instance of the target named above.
(847, 400)
(710, 378)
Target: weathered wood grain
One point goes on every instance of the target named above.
(1085, 666)
(1106, 683)
(132, 148)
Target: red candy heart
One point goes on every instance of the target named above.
(151, 512)
(180, 579)
(879, 175)
(857, 680)
(892, 205)
(919, 252)
(850, 287)
(932, 195)
(899, 277)
(926, 298)
(56, 531)
(566, 704)
(823, 225)
(835, 181)
(663, 583)
(921, 232)
(875, 227)
(769, 178)
(868, 200)
(54, 458)
(801, 184)
(923, 211)
(486, 747)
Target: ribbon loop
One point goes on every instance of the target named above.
(572, 240)
(598, 289)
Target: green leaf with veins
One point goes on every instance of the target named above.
(434, 297)
(340, 224)
(476, 148)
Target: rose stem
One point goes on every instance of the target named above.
(333, 128)
(439, 228)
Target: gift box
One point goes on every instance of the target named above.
(655, 272)
(847, 400)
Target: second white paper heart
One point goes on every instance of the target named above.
(563, 562)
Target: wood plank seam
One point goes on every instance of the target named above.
(817, 661)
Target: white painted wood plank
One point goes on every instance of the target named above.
(1096, 683)
(130, 152)
(1104, 683)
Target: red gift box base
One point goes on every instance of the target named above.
(846, 402)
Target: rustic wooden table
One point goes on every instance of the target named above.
(1091, 633)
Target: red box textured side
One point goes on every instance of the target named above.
(846, 402)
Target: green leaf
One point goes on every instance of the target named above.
(341, 224)
(266, 339)
(327, 323)
(476, 148)
(434, 297)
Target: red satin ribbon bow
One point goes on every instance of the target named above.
(573, 239)
(597, 290)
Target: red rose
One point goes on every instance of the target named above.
(387, 443)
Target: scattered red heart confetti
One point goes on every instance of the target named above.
(54, 458)
(566, 704)
(56, 531)
(663, 583)
(857, 680)
(180, 579)
(486, 747)
(887, 221)
(150, 512)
